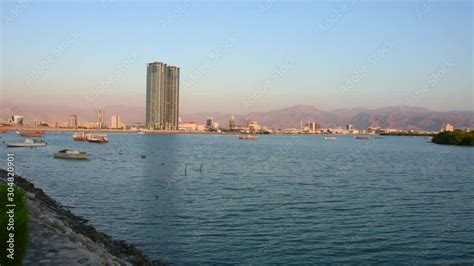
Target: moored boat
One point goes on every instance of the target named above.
(80, 136)
(330, 138)
(97, 138)
(26, 143)
(30, 133)
(71, 154)
(361, 137)
(248, 137)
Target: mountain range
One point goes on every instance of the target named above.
(413, 118)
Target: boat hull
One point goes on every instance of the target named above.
(248, 137)
(25, 145)
(97, 141)
(31, 134)
(80, 156)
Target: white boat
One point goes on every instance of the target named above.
(330, 138)
(71, 154)
(26, 143)
(97, 138)
(80, 136)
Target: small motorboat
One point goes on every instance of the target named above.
(97, 138)
(80, 136)
(248, 137)
(361, 137)
(31, 133)
(26, 143)
(330, 138)
(71, 154)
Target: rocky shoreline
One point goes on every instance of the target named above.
(59, 237)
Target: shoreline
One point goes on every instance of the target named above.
(56, 235)
(178, 132)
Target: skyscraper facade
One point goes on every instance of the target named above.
(115, 123)
(72, 121)
(162, 96)
(99, 115)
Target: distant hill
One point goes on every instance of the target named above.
(388, 117)
(415, 118)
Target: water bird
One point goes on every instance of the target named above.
(143, 156)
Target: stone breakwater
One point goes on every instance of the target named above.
(58, 237)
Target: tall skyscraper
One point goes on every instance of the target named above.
(232, 123)
(115, 123)
(99, 115)
(162, 96)
(72, 121)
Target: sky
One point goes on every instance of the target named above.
(241, 56)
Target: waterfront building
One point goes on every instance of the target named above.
(210, 122)
(99, 115)
(232, 123)
(447, 128)
(349, 127)
(312, 126)
(72, 121)
(252, 125)
(162, 96)
(17, 119)
(187, 126)
(115, 123)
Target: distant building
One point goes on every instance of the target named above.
(99, 116)
(252, 125)
(349, 127)
(72, 121)
(187, 126)
(313, 127)
(17, 119)
(447, 128)
(162, 96)
(115, 123)
(210, 122)
(232, 123)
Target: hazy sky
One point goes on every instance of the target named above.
(241, 56)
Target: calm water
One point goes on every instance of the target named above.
(280, 199)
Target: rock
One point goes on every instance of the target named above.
(82, 260)
(60, 225)
(49, 254)
(30, 195)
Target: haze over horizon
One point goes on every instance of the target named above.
(331, 55)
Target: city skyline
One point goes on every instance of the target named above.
(421, 56)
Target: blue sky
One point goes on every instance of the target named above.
(242, 56)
